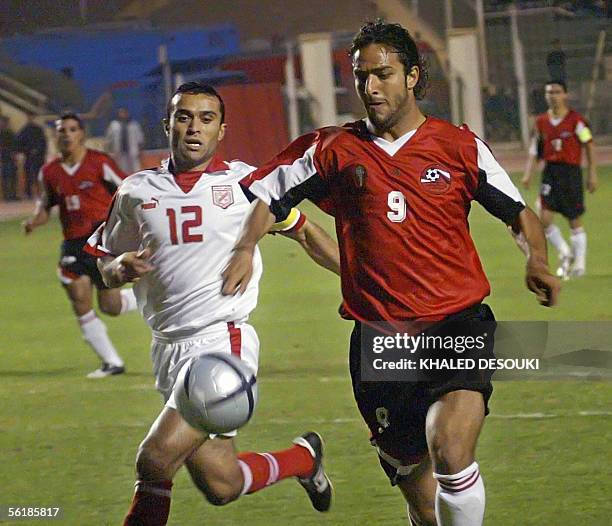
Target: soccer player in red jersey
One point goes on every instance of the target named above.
(400, 186)
(560, 134)
(82, 182)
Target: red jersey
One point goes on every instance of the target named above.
(83, 191)
(562, 140)
(401, 212)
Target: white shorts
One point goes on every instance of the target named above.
(170, 357)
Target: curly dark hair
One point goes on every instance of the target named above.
(398, 38)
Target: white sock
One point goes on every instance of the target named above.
(94, 333)
(247, 476)
(578, 239)
(555, 237)
(128, 301)
(460, 498)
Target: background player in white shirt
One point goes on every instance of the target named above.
(172, 231)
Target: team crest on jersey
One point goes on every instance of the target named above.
(223, 196)
(436, 180)
(357, 175)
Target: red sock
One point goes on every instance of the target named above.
(150, 505)
(263, 469)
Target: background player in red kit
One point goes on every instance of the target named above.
(560, 134)
(400, 186)
(82, 182)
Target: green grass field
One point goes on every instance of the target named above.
(71, 442)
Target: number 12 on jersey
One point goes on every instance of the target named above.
(186, 224)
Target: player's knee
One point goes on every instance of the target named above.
(450, 451)
(221, 497)
(110, 308)
(153, 463)
(220, 493)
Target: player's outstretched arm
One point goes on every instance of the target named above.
(127, 268)
(538, 277)
(319, 245)
(238, 272)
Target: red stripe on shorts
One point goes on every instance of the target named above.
(235, 338)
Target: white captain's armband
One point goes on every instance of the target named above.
(295, 220)
(583, 133)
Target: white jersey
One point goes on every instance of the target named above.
(191, 235)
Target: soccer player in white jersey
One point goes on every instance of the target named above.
(172, 231)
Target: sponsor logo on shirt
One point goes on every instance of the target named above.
(223, 196)
(436, 180)
(83, 185)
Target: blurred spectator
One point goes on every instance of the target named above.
(510, 111)
(124, 140)
(501, 114)
(538, 101)
(555, 62)
(8, 169)
(32, 143)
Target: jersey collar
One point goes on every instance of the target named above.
(216, 165)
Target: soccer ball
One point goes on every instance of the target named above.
(217, 394)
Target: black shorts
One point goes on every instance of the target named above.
(395, 412)
(74, 262)
(562, 189)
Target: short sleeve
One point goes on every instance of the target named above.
(119, 233)
(496, 191)
(583, 132)
(299, 172)
(48, 198)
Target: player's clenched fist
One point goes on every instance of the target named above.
(238, 272)
(543, 284)
(28, 226)
(127, 268)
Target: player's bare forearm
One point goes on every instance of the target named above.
(258, 224)
(38, 218)
(239, 270)
(126, 268)
(319, 245)
(528, 174)
(592, 181)
(538, 277)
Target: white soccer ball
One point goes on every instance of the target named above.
(217, 394)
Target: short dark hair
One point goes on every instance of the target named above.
(559, 82)
(196, 87)
(73, 116)
(398, 38)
